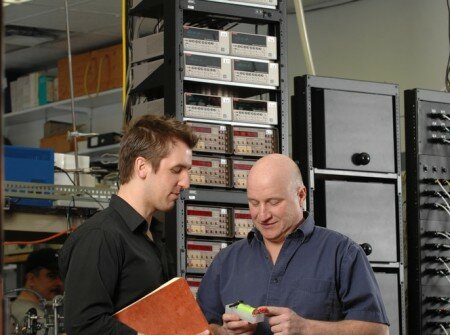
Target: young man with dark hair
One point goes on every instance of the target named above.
(119, 254)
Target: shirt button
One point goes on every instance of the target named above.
(276, 280)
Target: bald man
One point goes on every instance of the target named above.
(319, 280)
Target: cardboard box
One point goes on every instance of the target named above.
(93, 72)
(24, 92)
(67, 163)
(52, 128)
(86, 180)
(46, 89)
(58, 143)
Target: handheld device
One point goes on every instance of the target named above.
(246, 312)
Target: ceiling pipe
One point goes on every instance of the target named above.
(304, 37)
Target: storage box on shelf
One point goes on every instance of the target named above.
(93, 72)
(29, 165)
(59, 143)
(32, 90)
(64, 167)
(52, 128)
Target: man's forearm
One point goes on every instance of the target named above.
(346, 327)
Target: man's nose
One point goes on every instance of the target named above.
(184, 181)
(59, 282)
(263, 213)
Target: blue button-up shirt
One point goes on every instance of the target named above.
(319, 273)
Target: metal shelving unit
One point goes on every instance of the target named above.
(30, 222)
(428, 219)
(34, 219)
(95, 197)
(346, 138)
(83, 105)
(170, 81)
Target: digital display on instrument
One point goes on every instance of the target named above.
(201, 34)
(251, 66)
(211, 137)
(203, 61)
(208, 221)
(207, 106)
(203, 100)
(210, 171)
(249, 39)
(255, 111)
(241, 169)
(254, 141)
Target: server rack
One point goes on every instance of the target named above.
(346, 140)
(168, 76)
(428, 214)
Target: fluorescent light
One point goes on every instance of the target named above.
(27, 41)
(14, 2)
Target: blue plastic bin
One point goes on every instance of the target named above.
(33, 165)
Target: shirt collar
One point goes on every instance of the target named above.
(130, 216)
(303, 231)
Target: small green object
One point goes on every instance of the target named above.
(245, 312)
(245, 308)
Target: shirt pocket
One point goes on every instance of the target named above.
(313, 298)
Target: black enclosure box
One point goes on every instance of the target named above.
(364, 211)
(388, 283)
(347, 125)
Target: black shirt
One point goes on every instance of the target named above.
(108, 263)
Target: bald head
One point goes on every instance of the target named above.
(275, 168)
(276, 197)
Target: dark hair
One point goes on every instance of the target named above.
(151, 137)
(43, 258)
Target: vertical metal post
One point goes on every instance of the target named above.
(74, 136)
(4, 307)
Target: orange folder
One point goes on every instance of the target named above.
(170, 309)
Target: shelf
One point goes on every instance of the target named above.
(260, 60)
(342, 173)
(231, 123)
(230, 83)
(24, 225)
(215, 195)
(153, 9)
(242, 4)
(83, 104)
(95, 153)
(64, 195)
(252, 12)
(385, 265)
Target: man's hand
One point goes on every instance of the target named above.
(206, 332)
(233, 325)
(285, 321)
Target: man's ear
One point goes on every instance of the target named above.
(142, 167)
(29, 279)
(301, 192)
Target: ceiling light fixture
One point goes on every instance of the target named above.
(28, 36)
(14, 2)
